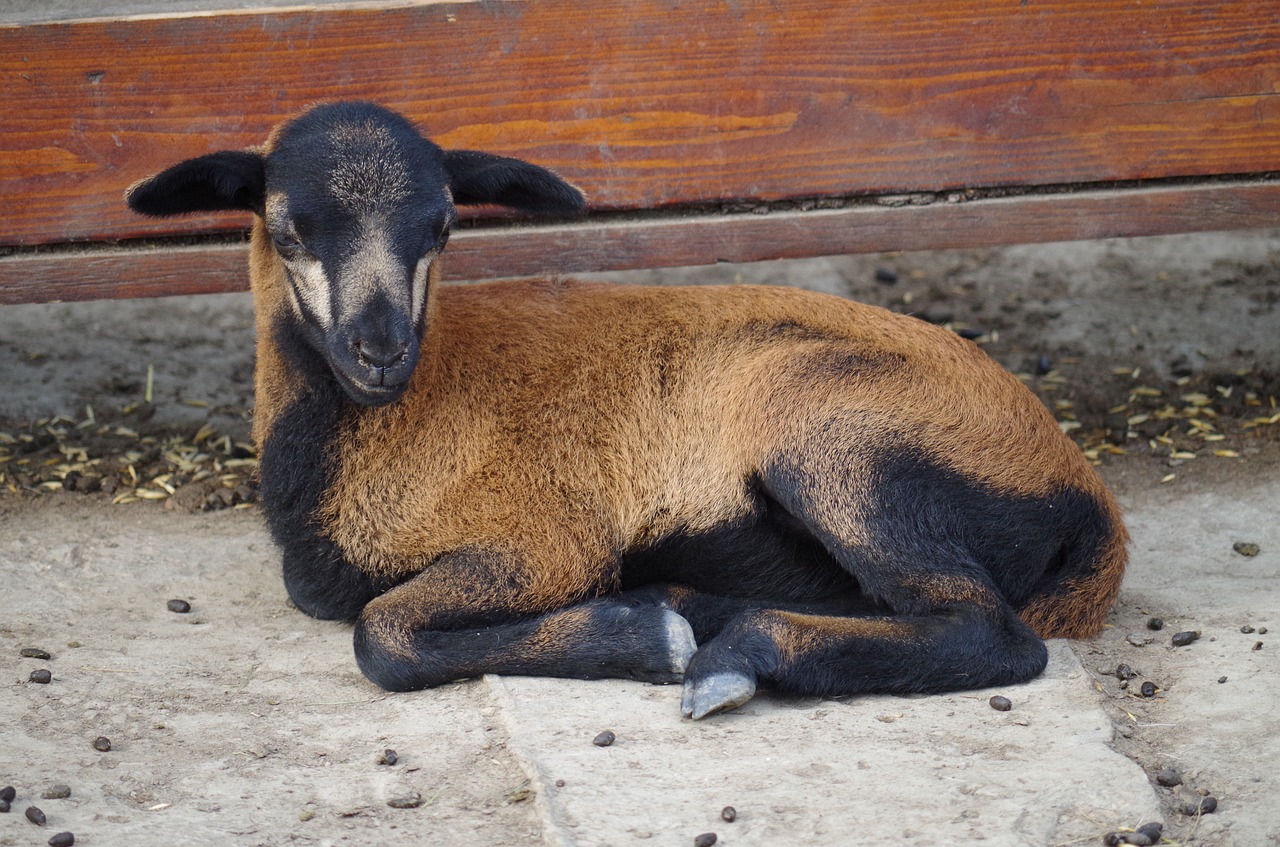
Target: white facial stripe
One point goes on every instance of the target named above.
(420, 275)
(312, 288)
(373, 268)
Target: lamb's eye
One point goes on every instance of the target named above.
(288, 246)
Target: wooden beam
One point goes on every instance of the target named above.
(651, 103)
(616, 243)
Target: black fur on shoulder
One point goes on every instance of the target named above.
(295, 471)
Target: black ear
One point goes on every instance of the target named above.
(483, 178)
(232, 179)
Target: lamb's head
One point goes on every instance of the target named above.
(355, 207)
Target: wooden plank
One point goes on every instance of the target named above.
(649, 103)
(612, 243)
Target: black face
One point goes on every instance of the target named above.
(358, 207)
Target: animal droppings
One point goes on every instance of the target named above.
(1000, 704)
(1246, 629)
(388, 757)
(1152, 830)
(1246, 548)
(1182, 639)
(8, 793)
(706, 839)
(604, 739)
(1155, 624)
(102, 744)
(41, 676)
(179, 606)
(1149, 689)
(408, 801)
(62, 839)
(56, 792)
(728, 814)
(1168, 777)
(34, 653)
(1202, 806)
(1257, 645)
(1125, 672)
(36, 816)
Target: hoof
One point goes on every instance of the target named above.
(680, 642)
(716, 693)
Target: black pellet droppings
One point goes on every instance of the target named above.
(179, 606)
(1262, 630)
(604, 739)
(1155, 624)
(1125, 672)
(4, 807)
(36, 816)
(1182, 639)
(388, 757)
(1246, 629)
(1148, 689)
(1152, 830)
(1137, 839)
(970, 334)
(62, 839)
(728, 814)
(1257, 645)
(1000, 704)
(1246, 548)
(886, 276)
(41, 676)
(1168, 777)
(1043, 365)
(102, 744)
(1203, 806)
(8, 793)
(706, 839)
(56, 792)
(34, 653)
(1221, 679)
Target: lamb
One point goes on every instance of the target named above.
(730, 487)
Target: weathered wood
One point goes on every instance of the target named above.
(667, 240)
(648, 103)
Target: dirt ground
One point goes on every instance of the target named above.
(126, 480)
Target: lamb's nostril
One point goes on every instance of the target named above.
(373, 355)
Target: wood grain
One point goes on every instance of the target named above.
(649, 103)
(669, 239)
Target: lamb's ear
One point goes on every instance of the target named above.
(483, 178)
(230, 180)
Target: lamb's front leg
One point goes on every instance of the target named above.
(473, 613)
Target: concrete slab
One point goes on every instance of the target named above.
(245, 722)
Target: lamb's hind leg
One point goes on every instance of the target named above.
(912, 540)
(457, 620)
(948, 649)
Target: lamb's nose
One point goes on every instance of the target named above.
(373, 354)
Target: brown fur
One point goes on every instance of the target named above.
(587, 419)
